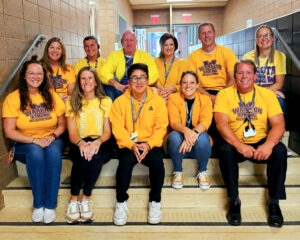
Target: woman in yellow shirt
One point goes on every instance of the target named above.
(270, 63)
(33, 117)
(190, 115)
(169, 66)
(89, 128)
(61, 75)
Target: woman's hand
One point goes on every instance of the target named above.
(165, 92)
(89, 149)
(185, 147)
(44, 141)
(190, 136)
(279, 94)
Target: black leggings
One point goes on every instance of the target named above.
(85, 173)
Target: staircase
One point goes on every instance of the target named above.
(189, 213)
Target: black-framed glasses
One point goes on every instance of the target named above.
(267, 36)
(136, 79)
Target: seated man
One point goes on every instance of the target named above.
(114, 73)
(139, 123)
(243, 114)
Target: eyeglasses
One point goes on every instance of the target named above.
(32, 74)
(267, 36)
(141, 79)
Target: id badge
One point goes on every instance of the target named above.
(134, 136)
(249, 132)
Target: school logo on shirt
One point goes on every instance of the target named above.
(240, 115)
(265, 79)
(38, 113)
(150, 108)
(210, 68)
(57, 81)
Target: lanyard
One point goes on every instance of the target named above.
(167, 73)
(138, 113)
(88, 63)
(188, 114)
(128, 63)
(262, 72)
(243, 106)
(55, 79)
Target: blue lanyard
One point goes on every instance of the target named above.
(167, 73)
(140, 109)
(189, 114)
(243, 106)
(88, 63)
(54, 79)
(262, 72)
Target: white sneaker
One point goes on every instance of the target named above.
(38, 214)
(86, 211)
(73, 212)
(49, 215)
(154, 213)
(120, 215)
(177, 180)
(203, 180)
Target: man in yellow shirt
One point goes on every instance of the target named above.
(139, 121)
(114, 71)
(243, 114)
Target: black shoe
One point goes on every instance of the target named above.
(234, 213)
(275, 218)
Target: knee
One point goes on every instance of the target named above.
(203, 141)
(174, 139)
(280, 152)
(226, 147)
(34, 152)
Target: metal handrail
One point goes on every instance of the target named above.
(36, 41)
(287, 47)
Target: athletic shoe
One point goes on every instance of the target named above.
(86, 211)
(177, 181)
(38, 214)
(73, 212)
(49, 215)
(154, 213)
(120, 215)
(203, 180)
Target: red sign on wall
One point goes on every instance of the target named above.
(154, 18)
(187, 17)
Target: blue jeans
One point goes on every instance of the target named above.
(43, 168)
(201, 150)
(111, 91)
(282, 105)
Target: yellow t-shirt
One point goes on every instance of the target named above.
(212, 69)
(266, 106)
(178, 67)
(36, 121)
(278, 67)
(83, 63)
(89, 121)
(61, 79)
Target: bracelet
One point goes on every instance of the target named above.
(97, 141)
(78, 143)
(53, 135)
(196, 132)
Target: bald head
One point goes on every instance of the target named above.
(129, 43)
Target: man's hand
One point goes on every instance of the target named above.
(212, 98)
(263, 152)
(246, 150)
(140, 150)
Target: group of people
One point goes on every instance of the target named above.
(130, 99)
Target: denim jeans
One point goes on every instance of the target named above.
(282, 105)
(43, 168)
(200, 151)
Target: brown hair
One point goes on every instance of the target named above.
(256, 51)
(162, 41)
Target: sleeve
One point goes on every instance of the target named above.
(160, 125)
(280, 63)
(107, 102)
(153, 72)
(69, 112)
(173, 110)
(59, 105)
(117, 119)
(158, 82)
(206, 112)
(71, 75)
(183, 66)
(108, 69)
(231, 60)
(272, 103)
(77, 67)
(221, 104)
(10, 108)
(191, 63)
(249, 56)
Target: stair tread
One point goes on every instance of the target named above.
(170, 215)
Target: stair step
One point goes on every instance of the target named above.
(171, 198)
(190, 167)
